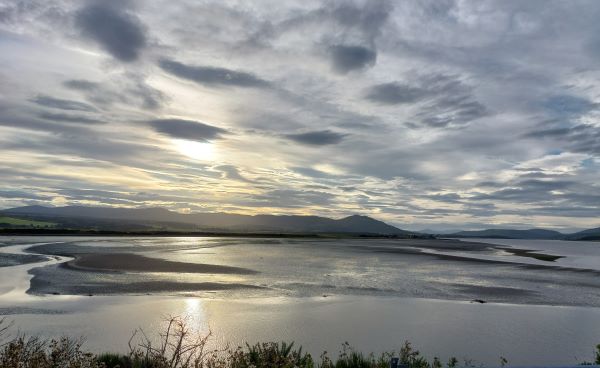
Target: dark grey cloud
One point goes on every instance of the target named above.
(62, 104)
(566, 106)
(187, 129)
(347, 58)
(22, 120)
(81, 85)
(368, 17)
(395, 93)
(212, 76)
(443, 100)
(580, 138)
(67, 118)
(535, 191)
(130, 89)
(317, 138)
(489, 184)
(449, 102)
(444, 113)
(552, 132)
(114, 28)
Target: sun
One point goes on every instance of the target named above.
(203, 151)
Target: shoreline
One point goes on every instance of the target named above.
(165, 233)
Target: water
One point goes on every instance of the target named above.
(583, 254)
(372, 293)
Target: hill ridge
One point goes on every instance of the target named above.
(209, 220)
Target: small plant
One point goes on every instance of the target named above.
(34, 352)
(267, 355)
(180, 347)
(452, 362)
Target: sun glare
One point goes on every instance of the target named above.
(203, 151)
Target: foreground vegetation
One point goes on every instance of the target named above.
(178, 347)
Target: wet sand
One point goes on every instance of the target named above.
(424, 268)
(39, 287)
(531, 254)
(129, 262)
(7, 260)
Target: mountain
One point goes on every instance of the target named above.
(590, 234)
(160, 218)
(436, 231)
(509, 234)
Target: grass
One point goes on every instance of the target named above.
(179, 347)
(13, 221)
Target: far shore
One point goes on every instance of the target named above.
(164, 233)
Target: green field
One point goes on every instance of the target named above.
(25, 222)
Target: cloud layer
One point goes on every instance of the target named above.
(425, 114)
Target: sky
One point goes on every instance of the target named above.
(424, 114)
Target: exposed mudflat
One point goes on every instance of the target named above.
(422, 268)
(7, 260)
(138, 263)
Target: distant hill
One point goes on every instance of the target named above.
(590, 234)
(509, 234)
(436, 231)
(106, 218)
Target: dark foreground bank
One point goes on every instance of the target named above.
(179, 347)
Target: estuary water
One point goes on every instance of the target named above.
(542, 297)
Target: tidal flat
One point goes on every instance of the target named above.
(373, 293)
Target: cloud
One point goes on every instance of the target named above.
(232, 173)
(21, 120)
(66, 118)
(212, 76)
(540, 192)
(444, 113)
(395, 93)
(317, 138)
(19, 194)
(347, 58)
(292, 198)
(187, 129)
(581, 138)
(442, 100)
(61, 104)
(433, 111)
(368, 17)
(81, 85)
(128, 89)
(115, 29)
(568, 105)
(310, 172)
